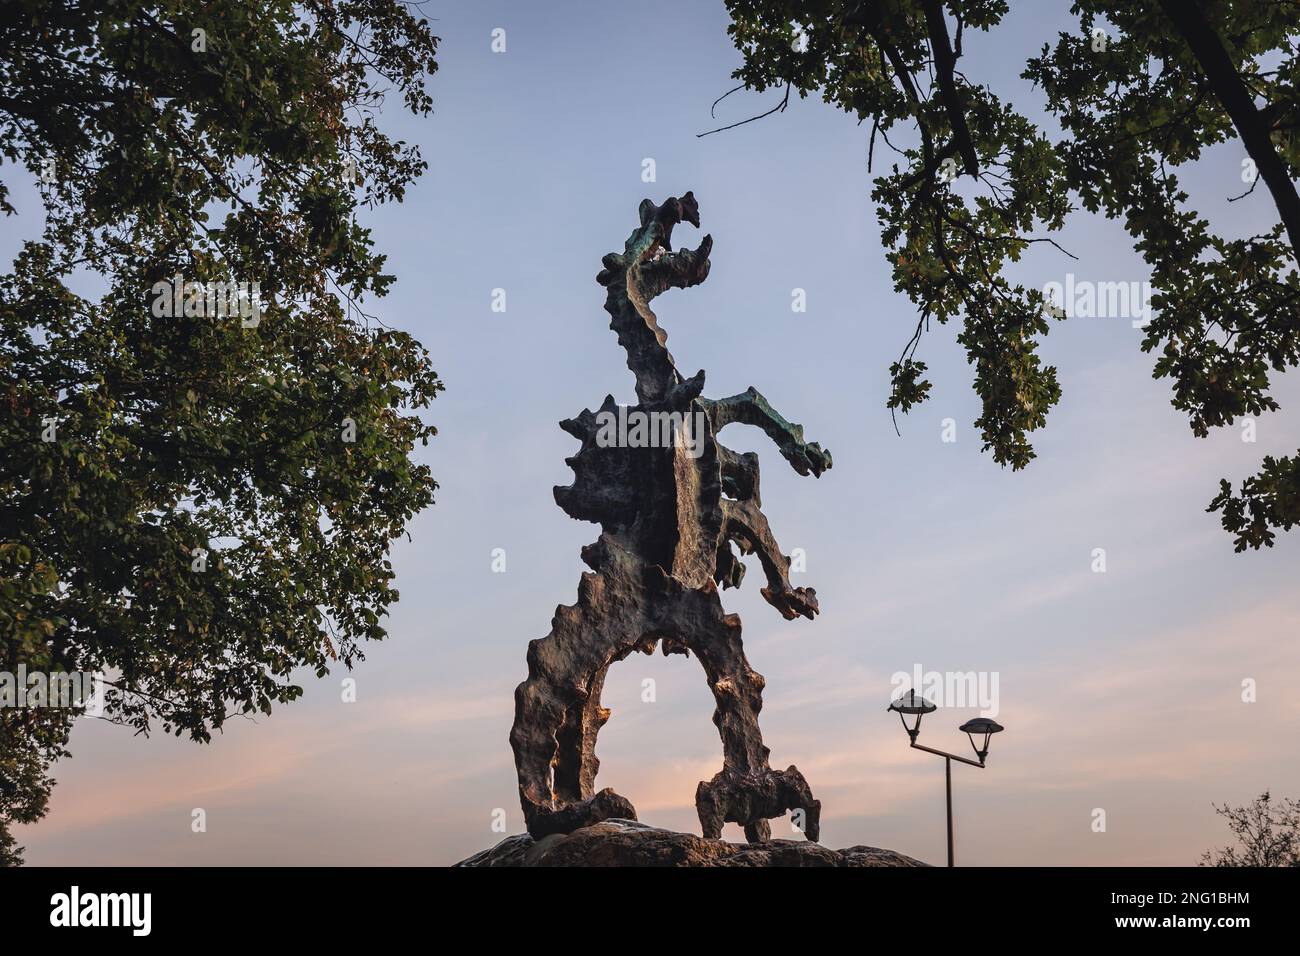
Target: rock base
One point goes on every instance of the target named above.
(629, 843)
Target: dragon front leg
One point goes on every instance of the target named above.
(751, 408)
(748, 527)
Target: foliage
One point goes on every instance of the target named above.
(218, 156)
(1159, 85)
(1267, 834)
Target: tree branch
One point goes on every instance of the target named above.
(1189, 21)
(944, 61)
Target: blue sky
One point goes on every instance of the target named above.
(1120, 691)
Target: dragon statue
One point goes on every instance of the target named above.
(670, 514)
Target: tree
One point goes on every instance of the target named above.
(1139, 90)
(1267, 833)
(207, 443)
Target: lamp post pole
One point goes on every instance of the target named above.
(947, 774)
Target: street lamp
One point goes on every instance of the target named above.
(911, 704)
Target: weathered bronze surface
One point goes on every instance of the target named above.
(669, 515)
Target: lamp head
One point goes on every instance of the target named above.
(912, 703)
(981, 725)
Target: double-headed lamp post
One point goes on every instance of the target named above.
(910, 703)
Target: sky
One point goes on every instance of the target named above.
(1121, 691)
